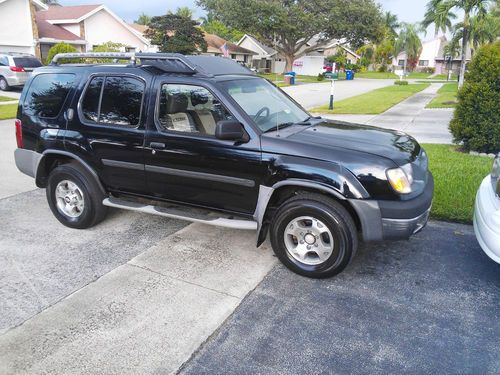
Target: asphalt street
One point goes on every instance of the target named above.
(424, 306)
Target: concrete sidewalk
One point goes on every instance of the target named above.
(411, 116)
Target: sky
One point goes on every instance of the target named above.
(406, 10)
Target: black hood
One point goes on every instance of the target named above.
(397, 146)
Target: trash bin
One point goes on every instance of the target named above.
(349, 75)
(290, 78)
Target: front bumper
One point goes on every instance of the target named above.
(487, 220)
(394, 220)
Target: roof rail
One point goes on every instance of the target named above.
(178, 62)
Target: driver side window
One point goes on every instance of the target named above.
(190, 109)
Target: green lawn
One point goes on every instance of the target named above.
(389, 75)
(373, 102)
(8, 111)
(6, 99)
(446, 97)
(278, 79)
(457, 177)
(454, 77)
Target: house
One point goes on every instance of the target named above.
(446, 62)
(427, 59)
(333, 47)
(215, 48)
(85, 27)
(18, 31)
(266, 59)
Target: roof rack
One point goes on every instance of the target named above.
(167, 62)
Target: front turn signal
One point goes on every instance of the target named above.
(398, 180)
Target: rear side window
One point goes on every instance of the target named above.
(27, 62)
(113, 100)
(47, 94)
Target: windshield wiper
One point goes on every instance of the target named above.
(283, 125)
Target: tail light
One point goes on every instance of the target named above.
(19, 133)
(17, 68)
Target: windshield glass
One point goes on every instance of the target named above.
(263, 102)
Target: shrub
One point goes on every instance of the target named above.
(382, 68)
(428, 70)
(321, 76)
(401, 83)
(476, 120)
(60, 48)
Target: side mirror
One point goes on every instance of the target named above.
(230, 130)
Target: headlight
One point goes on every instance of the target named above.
(399, 180)
(495, 174)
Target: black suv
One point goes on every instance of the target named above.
(202, 138)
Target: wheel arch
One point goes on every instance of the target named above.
(52, 158)
(271, 197)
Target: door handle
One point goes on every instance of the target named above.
(157, 145)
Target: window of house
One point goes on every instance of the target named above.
(47, 94)
(401, 62)
(113, 100)
(245, 58)
(348, 61)
(423, 63)
(233, 56)
(191, 109)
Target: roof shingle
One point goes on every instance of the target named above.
(57, 12)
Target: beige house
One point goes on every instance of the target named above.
(215, 45)
(18, 31)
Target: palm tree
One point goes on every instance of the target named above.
(391, 24)
(473, 10)
(143, 19)
(409, 41)
(435, 15)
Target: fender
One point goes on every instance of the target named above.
(91, 171)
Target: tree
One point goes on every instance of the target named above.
(409, 41)
(288, 26)
(185, 12)
(60, 48)
(434, 15)
(392, 24)
(218, 28)
(471, 9)
(174, 33)
(50, 2)
(340, 59)
(143, 19)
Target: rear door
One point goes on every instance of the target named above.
(109, 129)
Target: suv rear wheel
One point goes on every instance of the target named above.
(4, 85)
(74, 197)
(314, 235)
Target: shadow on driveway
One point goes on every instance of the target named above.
(428, 305)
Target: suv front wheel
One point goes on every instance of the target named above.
(313, 235)
(74, 197)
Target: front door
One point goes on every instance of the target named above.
(186, 163)
(111, 122)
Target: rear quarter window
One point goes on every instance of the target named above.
(47, 94)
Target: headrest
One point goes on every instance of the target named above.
(177, 102)
(199, 97)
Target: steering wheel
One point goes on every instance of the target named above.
(261, 111)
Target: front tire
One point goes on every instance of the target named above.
(313, 235)
(74, 197)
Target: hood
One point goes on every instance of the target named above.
(391, 144)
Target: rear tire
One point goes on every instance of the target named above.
(74, 197)
(313, 235)
(4, 85)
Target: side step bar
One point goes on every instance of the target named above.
(182, 213)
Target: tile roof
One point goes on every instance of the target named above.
(57, 12)
(47, 30)
(214, 43)
(137, 27)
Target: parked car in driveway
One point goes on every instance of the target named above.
(204, 139)
(487, 213)
(16, 68)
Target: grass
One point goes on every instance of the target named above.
(278, 79)
(6, 99)
(8, 111)
(373, 102)
(454, 77)
(457, 177)
(389, 75)
(446, 97)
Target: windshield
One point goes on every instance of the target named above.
(27, 62)
(263, 102)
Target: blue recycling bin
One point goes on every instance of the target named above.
(291, 77)
(349, 75)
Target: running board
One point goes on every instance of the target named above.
(182, 213)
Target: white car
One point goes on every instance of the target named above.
(487, 213)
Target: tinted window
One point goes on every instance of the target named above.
(27, 62)
(47, 94)
(191, 109)
(90, 104)
(4, 61)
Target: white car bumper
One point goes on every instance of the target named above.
(487, 219)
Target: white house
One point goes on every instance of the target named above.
(266, 59)
(427, 59)
(18, 31)
(87, 26)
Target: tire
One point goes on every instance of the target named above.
(77, 203)
(4, 85)
(334, 239)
